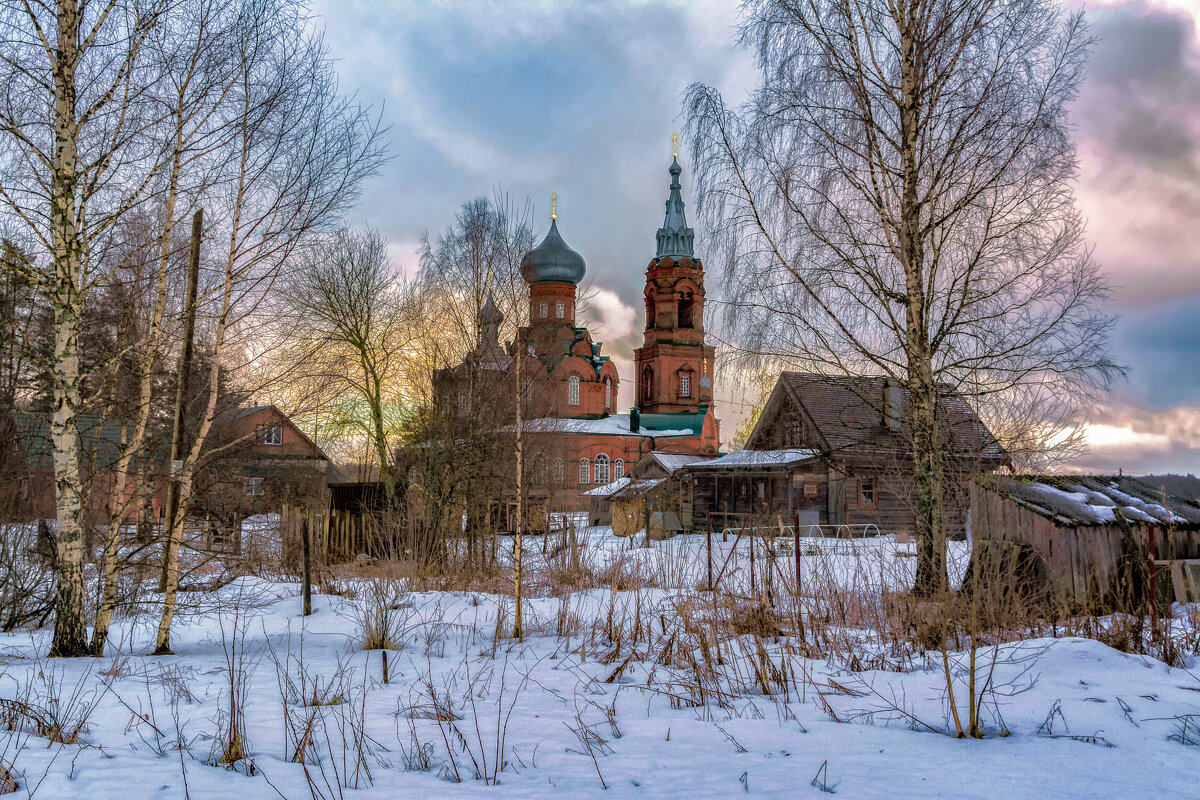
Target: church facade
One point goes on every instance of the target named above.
(575, 438)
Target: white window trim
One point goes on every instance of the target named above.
(573, 391)
(618, 469)
(585, 471)
(602, 468)
(685, 385)
(271, 434)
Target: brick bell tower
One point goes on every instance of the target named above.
(673, 367)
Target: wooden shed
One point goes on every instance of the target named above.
(1096, 535)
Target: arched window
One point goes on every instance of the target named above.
(618, 469)
(543, 309)
(539, 470)
(602, 468)
(557, 472)
(649, 313)
(647, 384)
(560, 309)
(607, 394)
(686, 305)
(585, 471)
(573, 391)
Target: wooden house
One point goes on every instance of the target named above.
(836, 451)
(1092, 537)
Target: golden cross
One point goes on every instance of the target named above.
(554, 205)
(674, 145)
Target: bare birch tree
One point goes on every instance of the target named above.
(80, 153)
(299, 152)
(895, 198)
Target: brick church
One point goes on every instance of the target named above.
(576, 437)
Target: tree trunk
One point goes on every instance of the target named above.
(70, 628)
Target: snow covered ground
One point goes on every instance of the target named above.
(603, 692)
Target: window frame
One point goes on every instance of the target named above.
(585, 471)
(573, 390)
(602, 469)
(560, 309)
(685, 384)
(254, 486)
(873, 490)
(543, 309)
(264, 434)
(618, 469)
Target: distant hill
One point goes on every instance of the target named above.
(1186, 486)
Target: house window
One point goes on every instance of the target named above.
(685, 385)
(558, 471)
(866, 493)
(585, 471)
(607, 394)
(464, 403)
(560, 309)
(602, 468)
(253, 487)
(543, 309)
(573, 391)
(618, 469)
(810, 489)
(270, 434)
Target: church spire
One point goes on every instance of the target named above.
(675, 237)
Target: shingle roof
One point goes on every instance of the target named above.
(848, 413)
(1095, 500)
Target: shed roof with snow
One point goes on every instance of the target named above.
(1096, 500)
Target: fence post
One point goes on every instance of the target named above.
(796, 541)
(306, 554)
(708, 547)
(753, 593)
(1153, 586)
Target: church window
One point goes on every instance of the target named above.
(573, 391)
(560, 309)
(685, 385)
(649, 313)
(539, 471)
(585, 471)
(543, 309)
(607, 394)
(647, 384)
(557, 472)
(602, 468)
(618, 469)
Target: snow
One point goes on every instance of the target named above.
(760, 458)
(674, 461)
(566, 712)
(612, 425)
(1097, 506)
(609, 489)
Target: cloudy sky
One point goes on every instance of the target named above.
(581, 98)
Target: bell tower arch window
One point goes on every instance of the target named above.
(649, 312)
(647, 384)
(686, 310)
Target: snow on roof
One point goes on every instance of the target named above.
(608, 489)
(638, 487)
(1096, 500)
(758, 458)
(673, 461)
(612, 425)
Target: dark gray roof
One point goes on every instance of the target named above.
(552, 261)
(100, 439)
